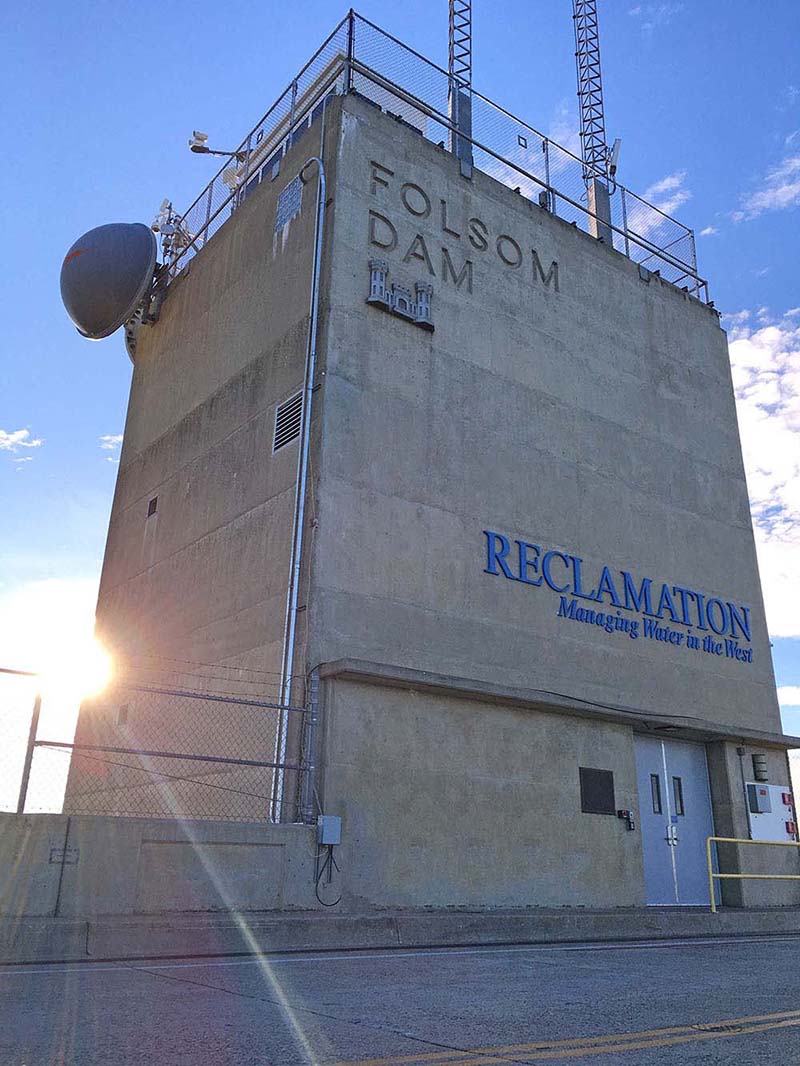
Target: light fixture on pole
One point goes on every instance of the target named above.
(197, 143)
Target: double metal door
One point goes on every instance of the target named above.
(675, 819)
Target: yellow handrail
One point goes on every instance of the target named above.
(712, 877)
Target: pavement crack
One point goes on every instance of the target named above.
(286, 1004)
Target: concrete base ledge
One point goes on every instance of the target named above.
(37, 940)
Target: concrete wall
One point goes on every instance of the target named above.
(727, 773)
(454, 802)
(205, 577)
(593, 414)
(194, 595)
(59, 866)
(596, 418)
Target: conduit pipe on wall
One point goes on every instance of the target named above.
(298, 521)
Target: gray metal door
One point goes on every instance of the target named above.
(675, 818)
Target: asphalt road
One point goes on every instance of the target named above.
(736, 1001)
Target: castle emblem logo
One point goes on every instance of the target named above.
(397, 299)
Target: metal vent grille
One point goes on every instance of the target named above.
(287, 421)
(597, 791)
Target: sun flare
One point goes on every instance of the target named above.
(48, 628)
(76, 671)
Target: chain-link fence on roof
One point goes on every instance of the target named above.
(360, 57)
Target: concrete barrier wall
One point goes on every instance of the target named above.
(72, 866)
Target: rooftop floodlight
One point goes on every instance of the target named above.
(197, 143)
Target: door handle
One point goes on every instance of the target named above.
(672, 835)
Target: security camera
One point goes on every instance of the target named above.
(161, 223)
(197, 142)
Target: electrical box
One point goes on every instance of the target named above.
(759, 800)
(329, 829)
(770, 812)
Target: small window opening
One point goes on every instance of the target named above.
(677, 793)
(152, 507)
(655, 792)
(122, 714)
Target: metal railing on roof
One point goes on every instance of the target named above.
(360, 57)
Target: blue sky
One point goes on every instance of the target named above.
(705, 95)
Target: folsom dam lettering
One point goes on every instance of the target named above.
(712, 626)
(444, 241)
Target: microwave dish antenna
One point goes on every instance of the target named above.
(106, 275)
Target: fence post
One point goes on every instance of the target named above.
(247, 154)
(551, 196)
(625, 221)
(208, 213)
(694, 254)
(308, 761)
(351, 37)
(26, 768)
(292, 108)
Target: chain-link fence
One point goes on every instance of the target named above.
(161, 752)
(260, 153)
(359, 56)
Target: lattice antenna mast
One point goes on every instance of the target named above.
(594, 149)
(460, 43)
(459, 67)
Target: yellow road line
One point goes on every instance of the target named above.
(635, 1046)
(592, 1045)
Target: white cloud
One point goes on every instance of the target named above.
(563, 128)
(789, 695)
(765, 363)
(731, 319)
(110, 442)
(669, 193)
(709, 231)
(779, 190)
(666, 195)
(654, 15)
(18, 438)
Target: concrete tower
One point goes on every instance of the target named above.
(529, 615)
